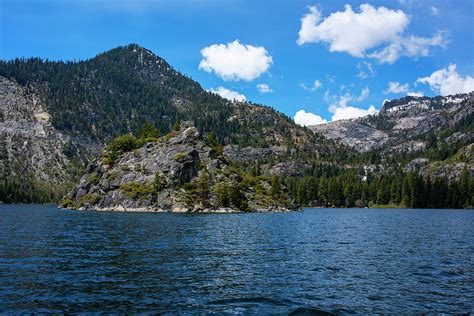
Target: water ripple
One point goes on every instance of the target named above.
(318, 262)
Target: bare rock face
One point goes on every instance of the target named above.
(247, 154)
(452, 167)
(400, 122)
(29, 144)
(359, 136)
(287, 168)
(416, 164)
(179, 172)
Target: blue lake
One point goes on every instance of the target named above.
(333, 260)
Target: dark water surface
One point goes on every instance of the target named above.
(335, 260)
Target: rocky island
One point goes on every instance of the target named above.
(179, 172)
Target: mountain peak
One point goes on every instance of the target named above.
(132, 52)
(421, 103)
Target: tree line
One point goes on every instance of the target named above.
(411, 190)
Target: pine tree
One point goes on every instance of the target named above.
(464, 197)
(275, 190)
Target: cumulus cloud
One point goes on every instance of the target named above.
(448, 81)
(228, 94)
(396, 87)
(352, 32)
(434, 11)
(264, 88)
(349, 112)
(304, 118)
(359, 33)
(235, 61)
(315, 86)
(340, 108)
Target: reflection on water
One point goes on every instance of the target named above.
(320, 260)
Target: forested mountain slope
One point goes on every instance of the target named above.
(115, 92)
(81, 106)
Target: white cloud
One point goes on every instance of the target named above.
(352, 32)
(304, 118)
(366, 70)
(434, 11)
(356, 33)
(315, 86)
(349, 112)
(397, 87)
(413, 46)
(415, 93)
(447, 81)
(340, 108)
(235, 61)
(264, 88)
(228, 94)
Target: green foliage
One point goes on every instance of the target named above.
(237, 198)
(190, 133)
(170, 135)
(95, 178)
(120, 145)
(148, 131)
(276, 187)
(222, 192)
(203, 189)
(348, 189)
(26, 189)
(90, 198)
(176, 126)
(179, 157)
(67, 202)
(211, 140)
(159, 183)
(135, 190)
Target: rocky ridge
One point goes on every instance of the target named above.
(414, 127)
(400, 122)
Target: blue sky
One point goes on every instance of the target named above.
(323, 57)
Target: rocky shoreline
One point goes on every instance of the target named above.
(223, 210)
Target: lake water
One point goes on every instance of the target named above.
(333, 260)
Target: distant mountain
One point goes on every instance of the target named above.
(420, 131)
(402, 124)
